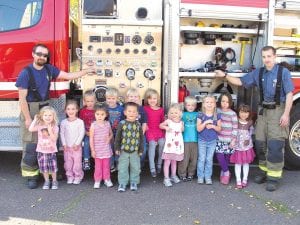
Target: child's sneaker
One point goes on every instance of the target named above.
(190, 178)
(97, 185)
(54, 185)
(46, 185)
(70, 181)
(108, 183)
(113, 169)
(121, 188)
(86, 164)
(244, 183)
(133, 187)
(153, 174)
(200, 180)
(158, 170)
(77, 181)
(184, 179)
(175, 179)
(208, 181)
(167, 182)
(239, 185)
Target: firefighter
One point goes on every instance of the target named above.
(33, 84)
(276, 99)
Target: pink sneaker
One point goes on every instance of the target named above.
(225, 179)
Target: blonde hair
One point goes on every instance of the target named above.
(149, 93)
(190, 99)
(203, 108)
(112, 91)
(89, 93)
(176, 106)
(132, 91)
(47, 109)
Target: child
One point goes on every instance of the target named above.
(87, 114)
(100, 141)
(132, 95)
(71, 135)
(154, 134)
(45, 123)
(227, 136)
(208, 124)
(244, 153)
(189, 163)
(173, 149)
(129, 144)
(115, 111)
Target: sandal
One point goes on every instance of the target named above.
(239, 185)
(244, 184)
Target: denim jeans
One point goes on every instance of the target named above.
(86, 147)
(129, 168)
(143, 156)
(151, 153)
(206, 151)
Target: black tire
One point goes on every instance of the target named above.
(292, 147)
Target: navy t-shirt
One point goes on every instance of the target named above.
(41, 80)
(208, 134)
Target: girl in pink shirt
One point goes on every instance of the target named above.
(154, 135)
(45, 123)
(71, 135)
(100, 138)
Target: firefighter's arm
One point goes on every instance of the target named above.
(284, 120)
(24, 106)
(233, 80)
(75, 75)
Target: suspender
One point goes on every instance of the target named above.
(278, 85)
(32, 85)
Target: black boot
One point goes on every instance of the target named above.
(260, 178)
(32, 183)
(272, 184)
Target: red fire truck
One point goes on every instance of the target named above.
(172, 46)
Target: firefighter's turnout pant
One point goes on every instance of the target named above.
(29, 164)
(270, 141)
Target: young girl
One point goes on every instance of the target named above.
(208, 124)
(244, 153)
(45, 123)
(100, 138)
(174, 148)
(227, 136)
(71, 135)
(154, 134)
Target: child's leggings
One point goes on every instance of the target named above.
(223, 160)
(102, 169)
(237, 170)
(167, 163)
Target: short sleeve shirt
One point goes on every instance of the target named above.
(208, 134)
(190, 126)
(40, 77)
(269, 81)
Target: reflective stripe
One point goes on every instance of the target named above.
(276, 174)
(26, 173)
(263, 168)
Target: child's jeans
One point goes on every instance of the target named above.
(143, 156)
(102, 169)
(129, 168)
(151, 153)
(206, 151)
(86, 147)
(73, 165)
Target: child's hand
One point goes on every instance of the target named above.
(76, 147)
(246, 142)
(117, 152)
(107, 140)
(65, 148)
(210, 126)
(93, 154)
(140, 154)
(209, 122)
(232, 144)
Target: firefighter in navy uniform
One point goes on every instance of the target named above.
(33, 84)
(276, 100)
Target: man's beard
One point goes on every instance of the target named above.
(40, 62)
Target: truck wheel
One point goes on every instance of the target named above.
(292, 149)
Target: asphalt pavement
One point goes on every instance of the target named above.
(184, 203)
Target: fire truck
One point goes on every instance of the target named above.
(173, 46)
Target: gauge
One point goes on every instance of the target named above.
(149, 39)
(136, 39)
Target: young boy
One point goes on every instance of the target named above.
(87, 114)
(188, 165)
(115, 112)
(129, 144)
(132, 95)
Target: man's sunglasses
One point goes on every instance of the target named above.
(40, 54)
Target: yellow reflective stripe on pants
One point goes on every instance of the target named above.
(26, 173)
(276, 174)
(263, 168)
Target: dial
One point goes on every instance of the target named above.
(136, 39)
(149, 39)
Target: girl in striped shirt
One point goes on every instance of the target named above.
(227, 136)
(100, 138)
